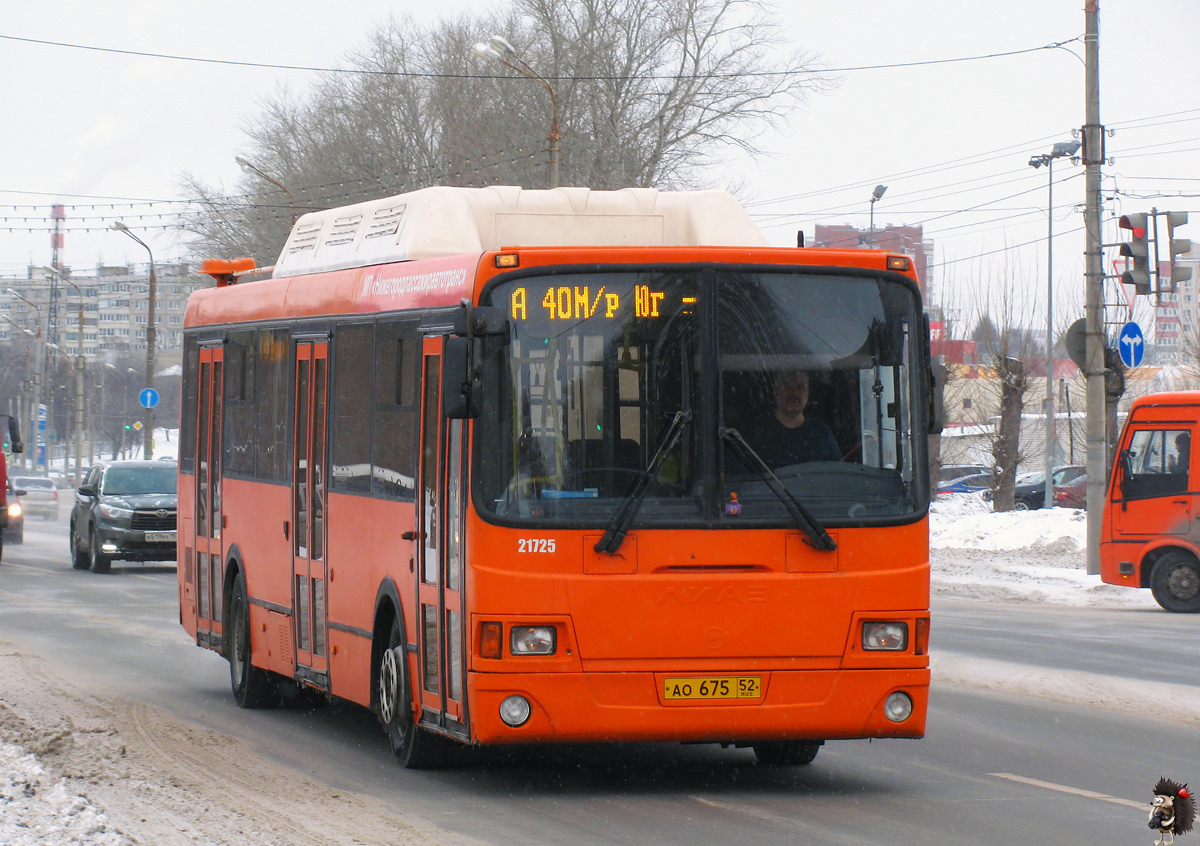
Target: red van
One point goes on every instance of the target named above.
(1151, 529)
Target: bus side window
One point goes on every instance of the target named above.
(1157, 463)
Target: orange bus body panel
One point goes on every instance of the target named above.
(721, 603)
(1129, 547)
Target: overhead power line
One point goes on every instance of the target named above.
(1057, 45)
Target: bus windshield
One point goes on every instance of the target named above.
(803, 375)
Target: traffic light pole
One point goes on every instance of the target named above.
(1093, 158)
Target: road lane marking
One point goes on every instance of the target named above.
(1076, 791)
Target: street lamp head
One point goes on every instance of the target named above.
(501, 46)
(486, 51)
(119, 226)
(878, 192)
(1065, 148)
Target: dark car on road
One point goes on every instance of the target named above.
(14, 524)
(125, 510)
(1030, 490)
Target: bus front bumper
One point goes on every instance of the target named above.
(597, 707)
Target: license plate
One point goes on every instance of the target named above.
(701, 687)
(160, 537)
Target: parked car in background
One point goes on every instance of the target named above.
(14, 529)
(41, 496)
(126, 510)
(950, 472)
(966, 484)
(1030, 490)
(1073, 494)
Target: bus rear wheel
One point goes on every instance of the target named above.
(786, 753)
(414, 747)
(253, 687)
(1175, 582)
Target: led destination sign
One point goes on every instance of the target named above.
(578, 302)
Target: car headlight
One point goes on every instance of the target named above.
(14, 510)
(115, 513)
(885, 636)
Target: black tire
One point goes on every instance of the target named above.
(1175, 582)
(786, 753)
(19, 537)
(253, 687)
(79, 558)
(100, 563)
(414, 747)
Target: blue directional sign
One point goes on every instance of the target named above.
(1131, 345)
(148, 398)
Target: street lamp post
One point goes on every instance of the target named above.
(36, 381)
(875, 195)
(247, 167)
(499, 49)
(79, 368)
(1063, 149)
(151, 341)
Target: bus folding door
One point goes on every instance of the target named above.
(440, 501)
(308, 509)
(209, 553)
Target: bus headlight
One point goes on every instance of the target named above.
(885, 636)
(898, 707)
(515, 710)
(532, 640)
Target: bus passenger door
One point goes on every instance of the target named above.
(308, 509)
(440, 498)
(209, 559)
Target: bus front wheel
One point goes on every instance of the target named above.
(1175, 582)
(413, 746)
(786, 753)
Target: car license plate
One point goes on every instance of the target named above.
(160, 537)
(702, 687)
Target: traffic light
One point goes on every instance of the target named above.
(1138, 249)
(1178, 246)
(128, 427)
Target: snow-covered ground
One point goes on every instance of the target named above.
(1035, 556)
(1027, 556)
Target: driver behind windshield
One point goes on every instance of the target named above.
(786, 435)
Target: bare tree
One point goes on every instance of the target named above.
(649, 93)
(1007, 348)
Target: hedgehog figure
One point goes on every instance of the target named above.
(1172, 812)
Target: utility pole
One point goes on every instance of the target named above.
(1093, 158)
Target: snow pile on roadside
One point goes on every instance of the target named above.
(1017, 556)
(37, 812)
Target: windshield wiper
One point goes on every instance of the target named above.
(623, 516)
(803, 517)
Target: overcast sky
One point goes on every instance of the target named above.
(951, 141)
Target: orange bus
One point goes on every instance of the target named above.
(484, 461)
(1150, 537)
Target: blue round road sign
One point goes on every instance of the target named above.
(1131, 345)
(148, 398)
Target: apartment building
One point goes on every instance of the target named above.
(114, 308)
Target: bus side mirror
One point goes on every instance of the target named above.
(1126, 482)
(937, 397)
(458, 401)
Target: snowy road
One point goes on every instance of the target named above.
(63, 738)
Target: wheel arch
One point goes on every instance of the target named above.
(233, 566)
(1152, 554)
(387, 609)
